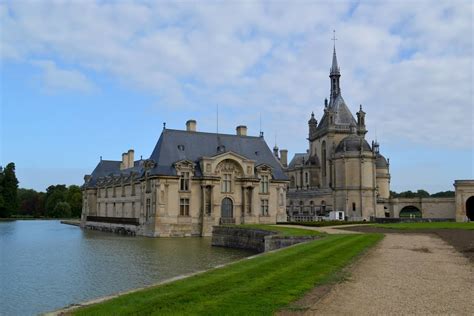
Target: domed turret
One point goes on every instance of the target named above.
(381, 162)
(353, 143)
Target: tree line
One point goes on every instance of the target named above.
(59, 201)
(421, 193)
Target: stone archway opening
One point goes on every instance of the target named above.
(470, 208)
(410, 212)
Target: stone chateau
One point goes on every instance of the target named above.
(342, 174)
(192, 181)
(195, 180)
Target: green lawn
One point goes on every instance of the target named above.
(283, 231)
(258, 286)
(433, 225)
(324, 223)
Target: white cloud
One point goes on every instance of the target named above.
(409, 63)
(56, 79)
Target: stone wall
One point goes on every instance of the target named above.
(253, 239)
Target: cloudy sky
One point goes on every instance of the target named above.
(82, 79)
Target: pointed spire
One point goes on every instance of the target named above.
(334, 66)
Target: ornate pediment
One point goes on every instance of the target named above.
(149, 164)
(264, 168)
(184, 165)
(229, 166)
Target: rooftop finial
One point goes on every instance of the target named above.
(334, 39)
(164, 125)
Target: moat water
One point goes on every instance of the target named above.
(46, 265)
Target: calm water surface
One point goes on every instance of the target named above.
(45, 265)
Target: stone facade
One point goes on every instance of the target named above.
(340, 171)
(191, 182)
(464, 202)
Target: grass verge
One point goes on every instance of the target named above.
(283, 231)
(261, 285)
(323, 223)
(432, 225)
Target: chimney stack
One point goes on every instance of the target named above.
(284, 157)
(241, 130)
(131, 158)
(124, 163)
(191, 126)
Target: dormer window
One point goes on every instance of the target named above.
(181, 147)
(220, 148)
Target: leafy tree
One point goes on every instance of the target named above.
(54, 195)
(31, 202)
(74, 198)
(61, 210)
(9, 188)
(422, 193)
(444, 194)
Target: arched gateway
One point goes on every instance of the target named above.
(470, 208)
(410, 212)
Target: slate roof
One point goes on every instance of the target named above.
(381, 162)
(176, 145)
(353, 143)
(300, 158)
(107, 168)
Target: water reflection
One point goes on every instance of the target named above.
(46, 265)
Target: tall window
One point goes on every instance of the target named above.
(148, 185)
(306, 178)
(264, 184)
(264, 208)
(353, 207)
(184, 181)
(106, 192)
(133, 210)
(184, 207)
(99, 192)
(226, 185)
(148, 208)
(114, 191)
(123, 189)
(323, 156)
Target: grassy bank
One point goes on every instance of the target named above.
(432, 225)
(260, 285)
(283, 231)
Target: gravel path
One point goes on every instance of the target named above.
(327, 229)
(405, 274)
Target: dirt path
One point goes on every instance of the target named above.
(404, 274)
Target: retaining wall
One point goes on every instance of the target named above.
(253, 239)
